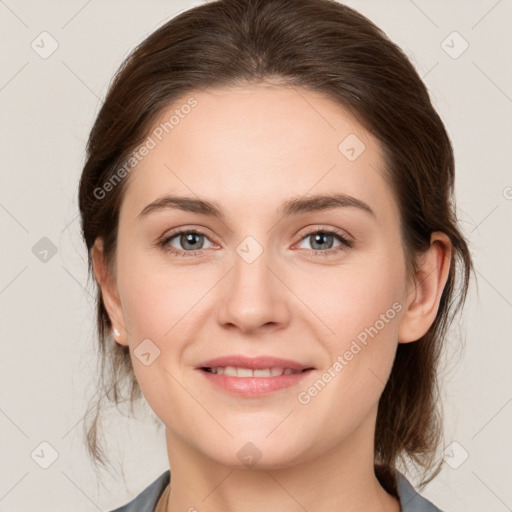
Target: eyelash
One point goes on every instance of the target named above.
(345, 242)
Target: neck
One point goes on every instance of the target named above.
(341, 478)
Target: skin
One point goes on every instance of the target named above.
(251, 148)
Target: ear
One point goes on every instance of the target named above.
(107, 283)
(426, 288)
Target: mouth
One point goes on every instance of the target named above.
(242, 363)
(232, 371)
(253, 376)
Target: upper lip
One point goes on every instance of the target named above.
(254, 363)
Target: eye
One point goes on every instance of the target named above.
(321, 241)
(189, 242)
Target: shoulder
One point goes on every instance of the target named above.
(410, 499)
(146, 500)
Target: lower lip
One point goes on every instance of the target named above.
(254, 386)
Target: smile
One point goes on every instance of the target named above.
(247, 383)
(232, 371)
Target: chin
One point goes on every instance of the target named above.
(260, 454)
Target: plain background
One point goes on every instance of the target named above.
(47, 365)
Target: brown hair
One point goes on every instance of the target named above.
(323, 46)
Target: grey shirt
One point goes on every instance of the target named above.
(410, 500)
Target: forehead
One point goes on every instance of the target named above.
(255, 146)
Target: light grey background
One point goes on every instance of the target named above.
(47, 363)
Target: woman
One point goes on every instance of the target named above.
(267, 205)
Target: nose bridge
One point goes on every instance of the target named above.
(251, 267)
(253, 296)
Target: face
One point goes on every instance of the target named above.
(321, 283)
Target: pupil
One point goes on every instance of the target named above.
(189, 240)
(321, 236)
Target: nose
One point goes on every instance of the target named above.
(254, 296)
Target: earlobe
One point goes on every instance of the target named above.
(424, 295)
(109, 292)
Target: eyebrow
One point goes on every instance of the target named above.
(294, 206)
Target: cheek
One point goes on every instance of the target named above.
(148, 307)
(349, 299)
(158, 309)
(360, 310)
(156, 297)
(160, 303)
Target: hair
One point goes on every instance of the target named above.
(325, 47)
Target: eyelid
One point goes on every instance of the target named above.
(310, 230)
(165, 239)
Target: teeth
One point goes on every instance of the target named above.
(231, 371)
(242, 372)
